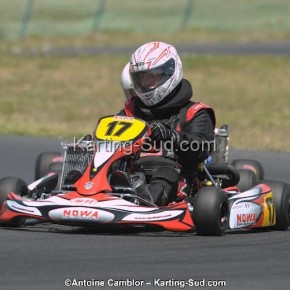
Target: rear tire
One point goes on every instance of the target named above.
(43, 162)
(211, 211)
(281, 199)
(250, 164)
(57, 168)
(248, 179)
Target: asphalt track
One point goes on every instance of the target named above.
(40, 257)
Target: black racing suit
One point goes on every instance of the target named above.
(196, 130)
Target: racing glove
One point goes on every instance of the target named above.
(162, 132)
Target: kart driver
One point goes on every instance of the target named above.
(162, 98)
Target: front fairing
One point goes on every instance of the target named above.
(253, 208)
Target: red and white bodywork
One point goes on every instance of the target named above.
(92, 201)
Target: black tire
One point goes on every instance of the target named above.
(248, 179)
(231, 173)
(211, 211)
(43, 162)
(250, 164)
(281, 198)
(18, 186)
(8, 184)
(57, 168)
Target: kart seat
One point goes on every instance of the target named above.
(120, 178)
(149, 164)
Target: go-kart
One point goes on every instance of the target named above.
(98, 187)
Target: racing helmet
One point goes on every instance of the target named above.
(155, 70)
(126, 83)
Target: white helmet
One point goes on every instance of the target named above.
(126, 83)
(155, 70)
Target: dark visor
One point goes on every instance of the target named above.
(148, 80)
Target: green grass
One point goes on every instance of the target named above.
(60, 96)
(54, 96)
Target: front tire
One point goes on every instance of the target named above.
(16, 185)
(12, 184)
(211, 211)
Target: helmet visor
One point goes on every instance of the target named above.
(148, 80)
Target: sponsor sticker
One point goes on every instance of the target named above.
(246, 219)
(89, 185)
(81, 214)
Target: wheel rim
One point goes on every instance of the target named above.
(223, 214)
